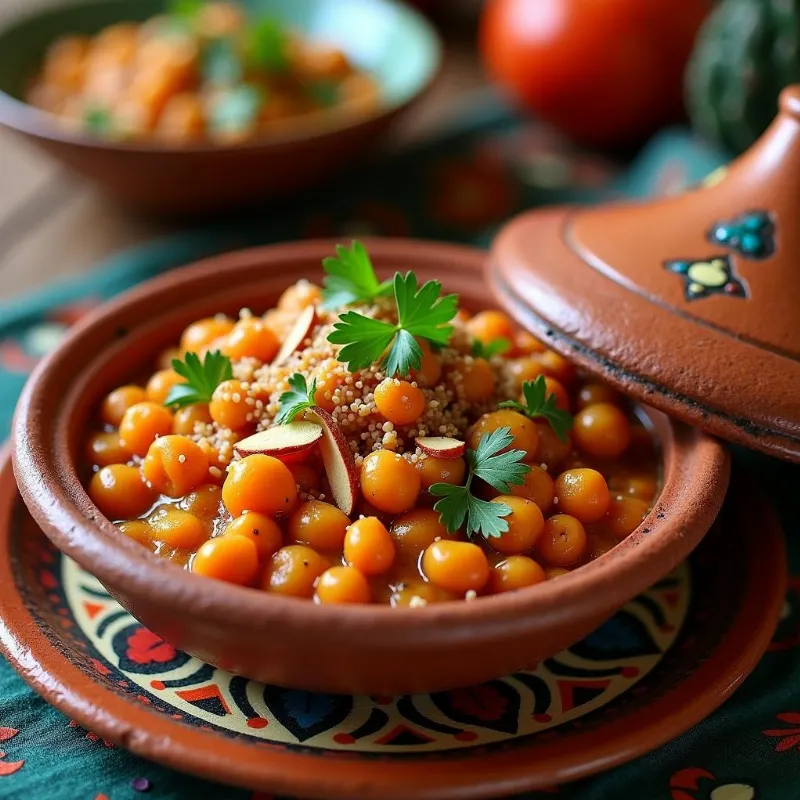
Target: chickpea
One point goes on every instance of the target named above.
(602, 430)
(182, 119)
(524, 431)
(259, 483)
(399, 401)
(583, 493)
(120, 492)
(160, 383)
(556, 366)
(477, 380)
(251, 338)
(486, 326)
(343, 585)
(410, 591)
(415, 530)
(233, 559)
(306, 476)
(199, 335)
(177, 528)
(515, 572)
(551, 450)
(189, 417)
(526, 343)
(554, 387)
(139, 531)
(525, 525)
(174, 465)
(319, 525)
(368, 546)
(119, 401)
(624, 516)
(537, 486)
(591, 393)
(293, 571)
(328, 381)
(228, 406)
(65, 63)
(104, 449)
(433, 469)
(563, 542)
(430, 369)
(203, 502)
(264, 531)
(142, 424)
(389, 482)
(524, 370)
(642, 486)
(300, 295)
(457, 567)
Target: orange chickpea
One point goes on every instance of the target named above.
(306, 476)
(583, 493)
(174, 465)
(293, 571)
(525, 525)
(526, 344)
(414, 531)
(160, 383)
(433, 469)
(486, 326)
(167, 356)
(187, 418)
(477, 380)
(299, 296)
(230, 558)
(524, 370)
(554, 387)
(328, 381)
(457, 567)
(120, 492)
(591, 393)
(142, 424)
(319, 525)
(563, 541)
(537, 486)
(343, 585)
(104, 449)
(182, 119)
(259, 483)
(515, 572)
(228, 407)
(119, 401)
(204, 502)
(412, 591)
(399, 401)
(598, 546)
(65, 63)
(524, 431)
(642, 486)
(430, 368)
(602, 430)
(556, 366)
(624, 516)
(264, 531)
(177, 528)
(369, 546)
(199, 335)
(389, 482)
(556, 572)
(139, 531)
(551, 450)
(251, 338)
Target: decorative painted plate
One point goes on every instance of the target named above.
(657, 667)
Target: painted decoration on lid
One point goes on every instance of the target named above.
(707, 277)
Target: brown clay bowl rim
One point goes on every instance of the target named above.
(22, 117)
(696, 472)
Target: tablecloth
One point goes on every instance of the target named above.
(459, 188)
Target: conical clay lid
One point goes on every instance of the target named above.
(690, 304)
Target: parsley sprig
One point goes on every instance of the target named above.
(460, 508)
(267, 45)
(488, 349)
(421, 312)
(202, 378)
(540, 404)
(299, 397)
(350, 277)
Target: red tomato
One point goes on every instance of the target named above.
(605, 72)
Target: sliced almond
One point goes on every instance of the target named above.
(441, 446)
(297, 335)
(281, 440)
(340, 467)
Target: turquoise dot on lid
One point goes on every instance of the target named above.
(751, 243)
(754, 222)
(722, 233)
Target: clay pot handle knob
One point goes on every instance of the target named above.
(790, 101)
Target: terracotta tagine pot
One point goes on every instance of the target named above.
(284, 641)
(690, 304)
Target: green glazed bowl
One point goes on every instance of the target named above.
(392, 42)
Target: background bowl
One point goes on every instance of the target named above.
(385, 37)
(290, 642)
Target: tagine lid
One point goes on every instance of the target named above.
(690, 303)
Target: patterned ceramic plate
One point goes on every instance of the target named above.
(657, 667)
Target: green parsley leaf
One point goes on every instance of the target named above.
(460, 508)
(540, 404)
(488, 349)
(350, 277)
(323, 93)
(202, 378)
(421, 313)
(97, 121)
(266, 46)
(221, 64)
(185, 10)
(299, 397)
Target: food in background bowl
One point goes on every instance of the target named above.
(368, 441)
(200, 72)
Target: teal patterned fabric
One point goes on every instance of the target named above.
(460, 189)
